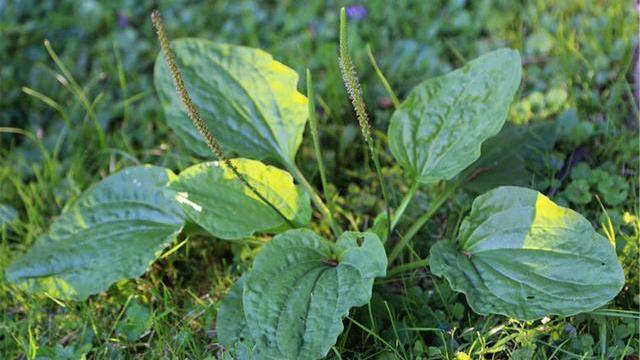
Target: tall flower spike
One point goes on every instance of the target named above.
(194, 114)
(192, 111)
(351, 82)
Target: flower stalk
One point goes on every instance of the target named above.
(383, 79)
(352, 84)
(313, 127)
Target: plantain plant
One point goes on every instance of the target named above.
(516, 253)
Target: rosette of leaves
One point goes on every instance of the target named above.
(517, 254)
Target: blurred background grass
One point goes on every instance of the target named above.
(82, 105)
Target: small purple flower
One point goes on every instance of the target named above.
(356, 12)
(123, 20)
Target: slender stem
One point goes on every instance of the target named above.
(417, 225)
(194, 114)
(29, 135)
(385, 196)
(408, 266)
(403, 205)
(297, 174)
(78, 92)
(383, 79)
(602, 330)
(313, 126)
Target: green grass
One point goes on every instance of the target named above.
(84, 106)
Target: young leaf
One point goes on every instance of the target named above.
(212, 196)
(248, 100)
(114, 231)
(301, 287)
(438, 130)
(231, 325)
(519, 254)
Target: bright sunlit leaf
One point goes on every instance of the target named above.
(248, 100)
(521, 255)
(217, 200)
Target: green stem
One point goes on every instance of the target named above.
(417, 225)
(313, 126)
(408, 266)
(602, 329)
(385, 196)
(403, 205)
(383, 79)
(317, 201)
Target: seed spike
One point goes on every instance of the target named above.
(178, 82)
(352, 84)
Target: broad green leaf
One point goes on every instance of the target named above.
(231, 325)
(212, 196)
(114, 231)
(504, 157)
(248, 99)
(519, 254)
(302, 286)
(438, 130)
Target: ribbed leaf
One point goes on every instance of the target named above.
(302, 286)
(249, 100)
(438, 130)
(505, 157)
(520, 255)
(114, 231)
(231, 325)
(212, 196)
